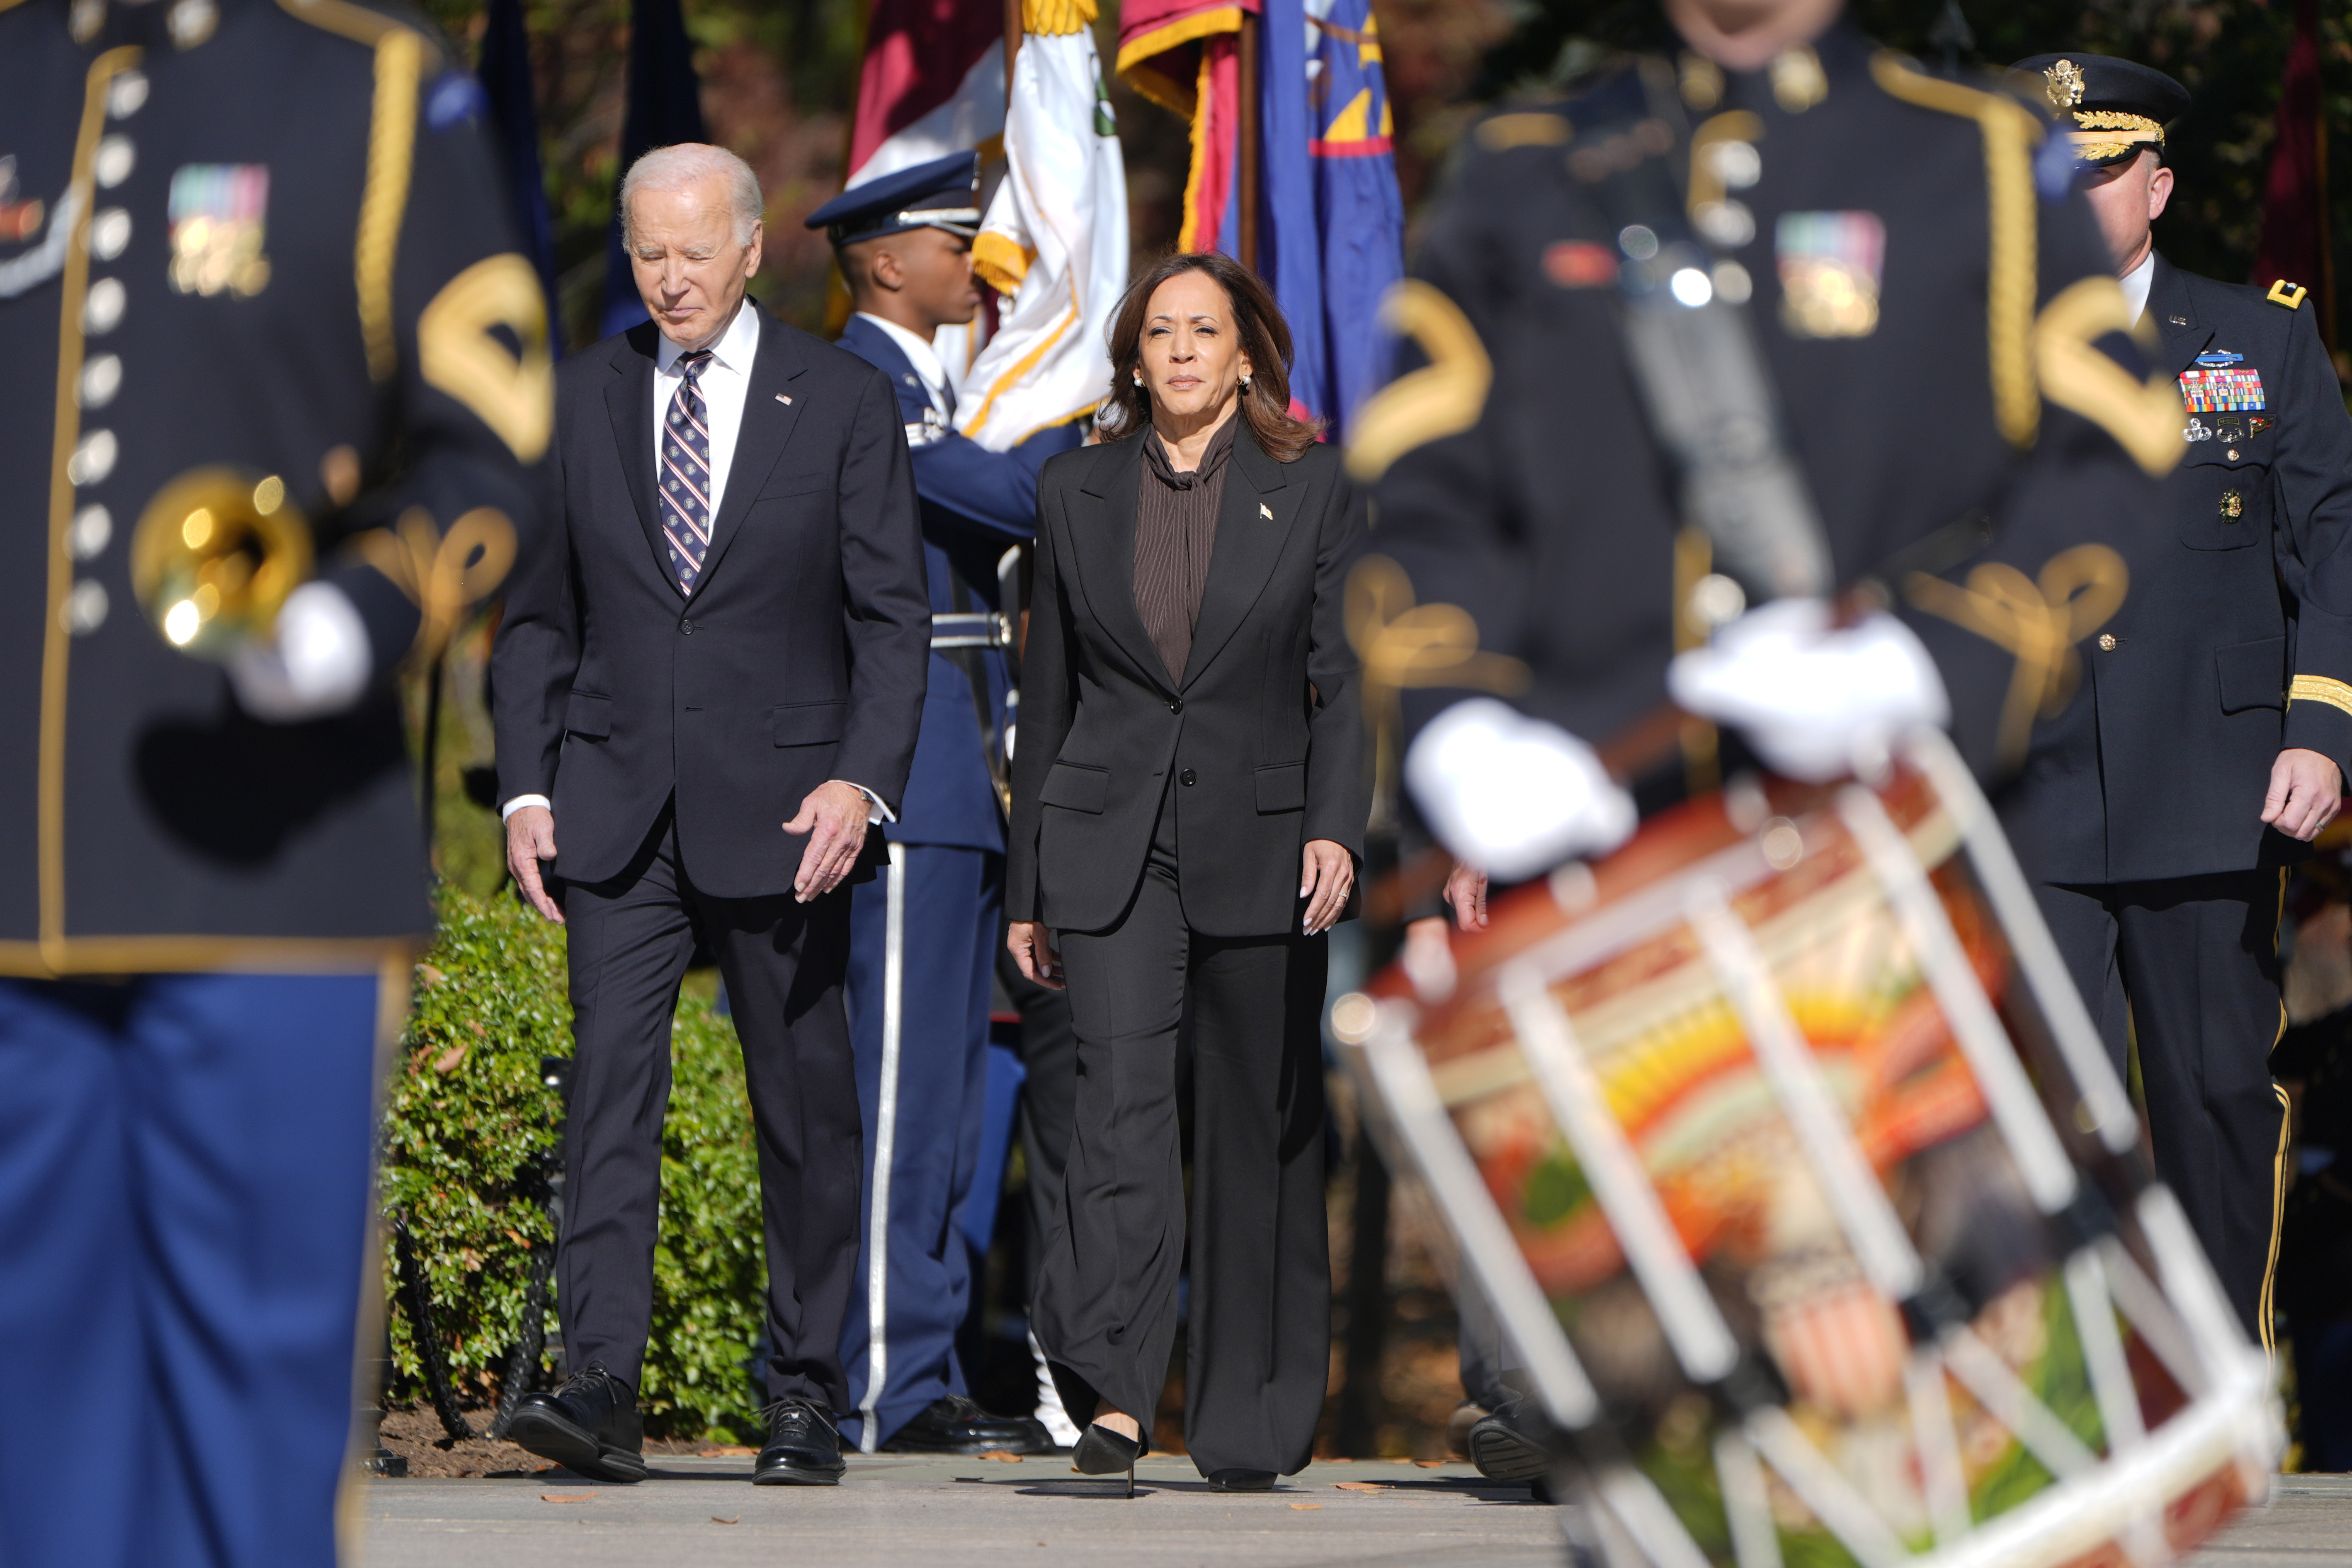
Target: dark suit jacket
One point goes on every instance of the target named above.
(2160, 768)
(1260, 765)
(800, 660)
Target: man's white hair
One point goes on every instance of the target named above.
(674, 168)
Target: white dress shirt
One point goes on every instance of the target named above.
(922, 356)
(725, 381)
(2137, 283)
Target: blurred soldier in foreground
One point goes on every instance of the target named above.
(925, 934)
(2157, 819)
(1961, 428)
(253, 270)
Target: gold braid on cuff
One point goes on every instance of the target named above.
(2040, 622)
(441, 573)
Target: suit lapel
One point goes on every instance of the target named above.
(768, 422)
(629, 399)
(1252, 523)
(1102, 537)
(2175, 315)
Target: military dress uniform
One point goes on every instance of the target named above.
(2139, 816)
(266, 237)
(1903, 243)
(925, 935)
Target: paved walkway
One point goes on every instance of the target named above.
(950, 1513)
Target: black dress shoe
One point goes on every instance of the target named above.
(1241, 1481)
(589, 1426)
(1514, 1445)
(804, 1447)
(1103, 1452)
(957, 1424)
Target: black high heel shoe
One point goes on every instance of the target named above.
(1103, 1452)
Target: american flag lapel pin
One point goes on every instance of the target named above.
(784, 399)
(1265, 511)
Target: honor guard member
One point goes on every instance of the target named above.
(1943, 350)
(2216, 718)
(270, 369)
(925, 935)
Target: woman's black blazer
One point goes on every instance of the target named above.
(1263, 736)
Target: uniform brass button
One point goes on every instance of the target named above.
(1188, 778)
(1177, 707)
(2107, 642)
(2233, 454)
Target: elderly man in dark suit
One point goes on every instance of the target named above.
(712, 676)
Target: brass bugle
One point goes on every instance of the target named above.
(215, 554)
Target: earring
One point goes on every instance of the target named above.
(1245, 380)
(1139, 378)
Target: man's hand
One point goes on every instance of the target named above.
(530, 838)
(2306, 792)
(1466, 890)
(834, 815)
(1032, 947)
(1327, 873)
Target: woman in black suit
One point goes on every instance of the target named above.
(1187, 810)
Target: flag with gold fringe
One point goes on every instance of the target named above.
(1053, 242)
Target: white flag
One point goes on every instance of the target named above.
(1055, 239)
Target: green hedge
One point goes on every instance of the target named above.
(467, 1118)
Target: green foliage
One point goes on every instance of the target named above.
(467, 1119)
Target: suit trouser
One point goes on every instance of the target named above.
(184, 1231)
(631, 938)
(1258, 1352)
(923, 938)
(2189, 966)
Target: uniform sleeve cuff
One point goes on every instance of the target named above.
(2319, 717)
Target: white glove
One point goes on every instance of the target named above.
(318, 663)
(1814, 703)
(1514, 795)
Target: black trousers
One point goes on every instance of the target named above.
(1258, 1354)
(2190, 965)
(783, 963)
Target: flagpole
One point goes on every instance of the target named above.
(1245, 154)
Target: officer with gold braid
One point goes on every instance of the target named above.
(2216, 718)
(270, 377)
(1946, 372)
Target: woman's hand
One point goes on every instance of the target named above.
(1326, 875)
(1032, 946)
(1466, 890)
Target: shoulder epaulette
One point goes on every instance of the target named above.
(2286, 294)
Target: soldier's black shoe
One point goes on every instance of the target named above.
(957, 1424)
(1512, 1445)
(590, 1426)
(804, 1447)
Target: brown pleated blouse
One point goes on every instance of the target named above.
(1175, 531)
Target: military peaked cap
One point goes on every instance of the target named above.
(941, 194)
(2112, 108)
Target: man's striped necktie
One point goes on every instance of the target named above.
(686, 472)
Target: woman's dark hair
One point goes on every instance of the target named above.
(1265, 337)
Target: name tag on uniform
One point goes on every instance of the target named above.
(217, 212)
(1829, 265)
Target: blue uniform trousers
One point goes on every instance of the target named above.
(185, 1228)
(923, 938)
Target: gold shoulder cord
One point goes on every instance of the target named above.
(2009, 135)
(392, 150)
